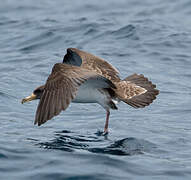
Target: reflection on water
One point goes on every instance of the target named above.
(69, 141)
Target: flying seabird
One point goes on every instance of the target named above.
(85, 78)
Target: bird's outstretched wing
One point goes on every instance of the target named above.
(61, 88)
(88, 61)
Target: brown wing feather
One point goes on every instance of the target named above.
(127, 90)
(137, 91)
(51, 101)
(59, 91)
(93, 63)
(61, 88)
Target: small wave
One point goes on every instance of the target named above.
(37, 38)
(8, 22)
(125, 32)
(40, 44)
(90, 31)
(6, 95)
(3, 156)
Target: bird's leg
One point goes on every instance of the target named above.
(106, 123)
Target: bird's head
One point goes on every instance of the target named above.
(37, 93)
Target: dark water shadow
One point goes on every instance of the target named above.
(70, 141)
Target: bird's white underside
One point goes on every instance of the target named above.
(88, 94)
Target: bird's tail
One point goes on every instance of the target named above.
(136, 90)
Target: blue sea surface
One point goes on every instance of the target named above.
(145, 37)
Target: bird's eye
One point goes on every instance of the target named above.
(37, 91)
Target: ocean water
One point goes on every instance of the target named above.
(148, 37)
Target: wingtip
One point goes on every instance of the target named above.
(37, 123)
(71, 49)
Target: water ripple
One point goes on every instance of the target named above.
(69, 141)
(125, 32)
